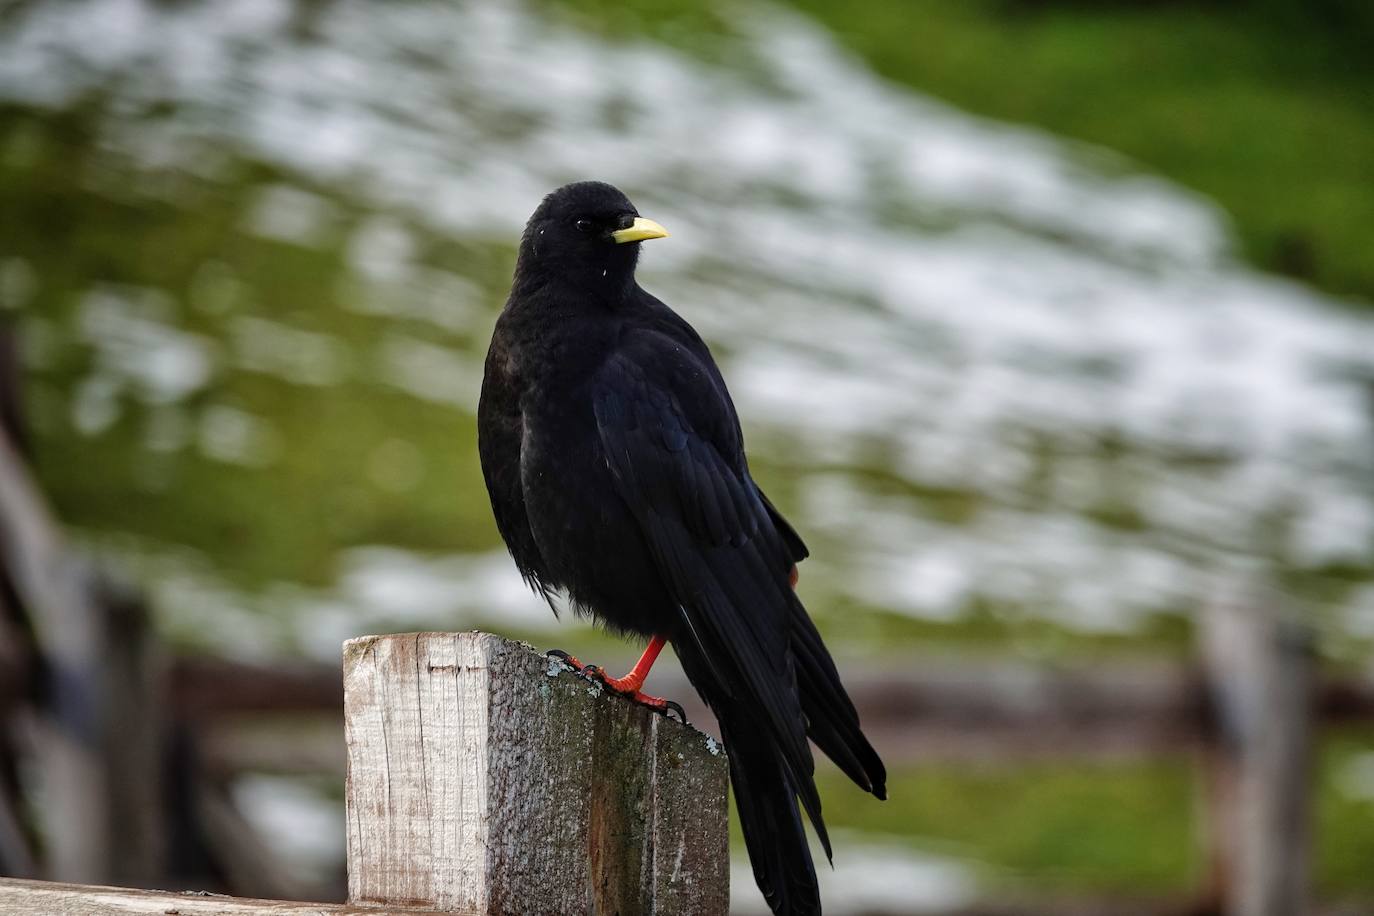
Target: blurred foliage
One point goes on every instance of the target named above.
(1349, 21)
(1074, 827)
(61, 217)
(1054, 824)
(1345, 813)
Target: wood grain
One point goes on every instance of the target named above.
(484, 778)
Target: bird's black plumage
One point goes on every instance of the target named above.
(616, 469)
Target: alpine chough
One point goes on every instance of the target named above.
(616, 469)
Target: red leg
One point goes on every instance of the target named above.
(793, 576)
(628, 686)
(631, 682)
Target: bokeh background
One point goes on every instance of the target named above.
(1044, 319)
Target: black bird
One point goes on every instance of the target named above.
(616, 469)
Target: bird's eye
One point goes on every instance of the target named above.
(585, 225)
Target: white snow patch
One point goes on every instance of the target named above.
(973, 300)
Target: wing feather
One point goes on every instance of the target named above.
(707, 526)
(673, 445)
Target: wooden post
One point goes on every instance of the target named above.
(488, 780)
(1260, 669)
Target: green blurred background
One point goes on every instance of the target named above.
(1043, 317)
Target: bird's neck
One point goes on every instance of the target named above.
(599, 287)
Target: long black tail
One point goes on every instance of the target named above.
(769, 791)
(765, 791)
(831, 720)
(766, 800)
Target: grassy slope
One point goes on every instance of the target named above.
(1273, 120)
(320, 492)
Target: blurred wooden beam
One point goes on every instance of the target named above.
(205, 686)
(97, 722)
(16, 855)
(937, 709)
(1261, 663)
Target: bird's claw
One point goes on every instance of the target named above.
(569, 660)
(665, 708)
(670, 706)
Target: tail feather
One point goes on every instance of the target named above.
(766, 791)
(766, 799)
(773, 780)
(832, 721)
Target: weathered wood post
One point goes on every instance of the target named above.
(1260, 669)
(486, 779)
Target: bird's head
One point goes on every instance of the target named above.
(587, 233)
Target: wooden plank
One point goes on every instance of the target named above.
(43, 898)
(31, 898)
(1261, 666)
(486, 779)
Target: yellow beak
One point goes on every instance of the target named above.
(640, 230)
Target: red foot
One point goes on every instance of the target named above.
(793, 576)
(631, 682)
(628, 686)
(657, 704)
